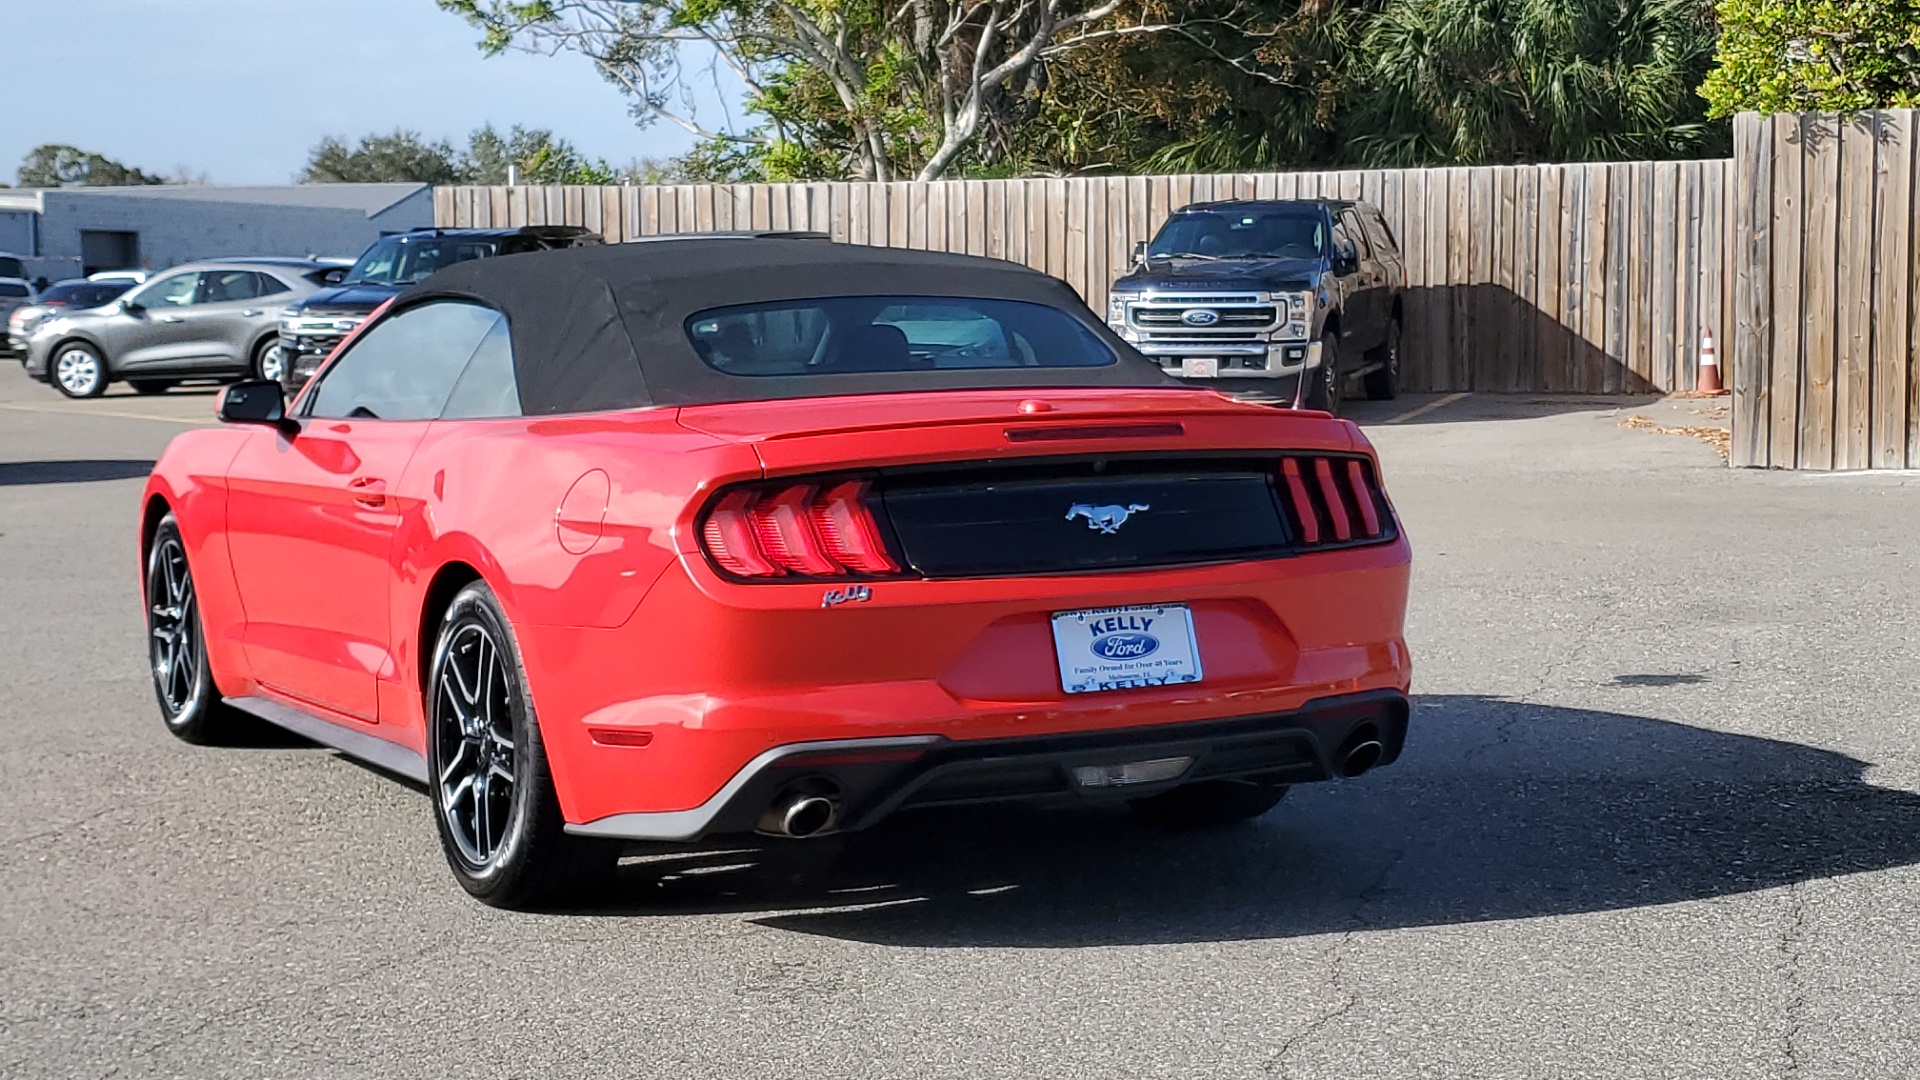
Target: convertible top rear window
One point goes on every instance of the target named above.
(846, 334)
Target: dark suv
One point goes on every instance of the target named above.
(311, 327)
(1307, 291)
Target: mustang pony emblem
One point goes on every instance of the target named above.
(1106, 519)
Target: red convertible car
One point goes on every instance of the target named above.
(696, 537)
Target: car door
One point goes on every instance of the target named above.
(153, 331)
(229, 312)
(1386, 255)
(312, 515)
(1362, 319)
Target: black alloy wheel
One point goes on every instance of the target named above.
(1383, 382)
(494, 804)
(177, 644)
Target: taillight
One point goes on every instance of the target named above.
(1334, 500)
(797, 531)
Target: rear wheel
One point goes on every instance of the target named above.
(1210, 804)
(78, 370)
(1383, 382)
(152, 386)
(494, 802)
(268, 360)
(1323, 383)
(177, 647)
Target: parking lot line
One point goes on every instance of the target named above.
(1417, 413)
(102, 412)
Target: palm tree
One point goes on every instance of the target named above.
(1454, 82)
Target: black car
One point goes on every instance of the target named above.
(1307, 291)
(311, 327)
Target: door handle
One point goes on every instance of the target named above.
(368, 491)
(249, 313)
(171, 318)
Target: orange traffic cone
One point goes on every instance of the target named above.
(1709, 379)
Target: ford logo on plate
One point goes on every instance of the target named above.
(1125, 646)
(1199, 317)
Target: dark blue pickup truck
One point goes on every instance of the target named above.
(1307, 291)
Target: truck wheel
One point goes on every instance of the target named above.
(1323, 383)
(1383, 382)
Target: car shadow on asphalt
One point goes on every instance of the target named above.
(1498, 809)
(83, 471)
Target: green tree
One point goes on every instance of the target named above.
(878, 89)
(1815, 55)
(539, 157)
(400, 156)
(58, 165)
(1469, 82)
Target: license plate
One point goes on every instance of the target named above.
(1200, 367)
(1118, 648)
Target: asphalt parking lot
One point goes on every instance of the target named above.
(1659, 816)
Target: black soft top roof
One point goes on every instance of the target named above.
(600, 328)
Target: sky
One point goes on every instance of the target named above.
(241, 90)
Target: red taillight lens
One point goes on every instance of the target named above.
(729, 537)
(797, 530)
(848, 532)
(1334, 500)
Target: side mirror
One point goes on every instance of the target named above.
(1345, 262)
(334, 276)
(1140, 253)
(132, 307)
(254, 401)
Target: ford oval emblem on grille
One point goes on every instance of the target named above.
(1125, 646)
(1199, 317)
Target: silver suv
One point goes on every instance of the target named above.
(210, 320)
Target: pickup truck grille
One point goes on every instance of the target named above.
(1224, 318)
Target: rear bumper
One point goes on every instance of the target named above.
(872, 778)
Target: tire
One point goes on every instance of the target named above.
(190, 704)
(152, 386)
(1383, 382)
(267, 362)
(78, 370)
(507, 848)
(1323, 386)
(1210, 804)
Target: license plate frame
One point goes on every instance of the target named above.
(1200, 367)
(1124, 648)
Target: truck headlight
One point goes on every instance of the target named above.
(1116, 309)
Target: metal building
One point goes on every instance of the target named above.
(69, 232)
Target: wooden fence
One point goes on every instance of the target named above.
(1567, 278)
(1826, 361)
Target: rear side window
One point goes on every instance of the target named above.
(1379, 234)
(270, 285)
(487, 387)
(224, 286)
(8, 288)
(405, 367)
(846, 334)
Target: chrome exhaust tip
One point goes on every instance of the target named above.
(801, 815)
(1361, 753)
